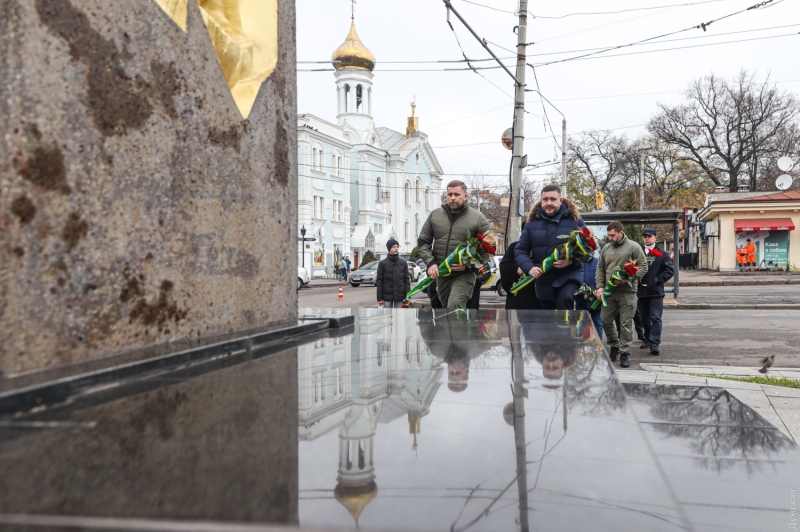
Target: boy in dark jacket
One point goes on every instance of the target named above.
(589, 274)
(651, 291)
(549, 224)
(393, 280)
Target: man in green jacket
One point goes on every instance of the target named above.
(441, 233)
(622, 300)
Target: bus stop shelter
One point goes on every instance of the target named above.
(645, 218)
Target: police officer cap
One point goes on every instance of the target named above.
(649, 232)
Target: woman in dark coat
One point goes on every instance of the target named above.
(509, 274)
(393, 280)
(543, 233)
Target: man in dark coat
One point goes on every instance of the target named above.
(549, 224)
(393, 279)
(651, 291)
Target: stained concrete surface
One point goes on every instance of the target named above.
(137, 207)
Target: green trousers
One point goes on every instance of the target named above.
(455, 289)
(624, 304)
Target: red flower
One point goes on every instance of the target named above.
(655, 252)
(631, 268)
(485, 245)
(585, 233)
(492, 250)
(479, 237)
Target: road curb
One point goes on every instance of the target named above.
(747, 282)
(721, 306)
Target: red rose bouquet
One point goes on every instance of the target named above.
(624, 273)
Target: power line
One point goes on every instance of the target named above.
(489, 7)
(670, 49)
(626, 10)
(579, 58)
(703, 26)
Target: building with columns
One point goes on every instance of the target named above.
(359, 184)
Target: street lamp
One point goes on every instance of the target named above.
(303, 246)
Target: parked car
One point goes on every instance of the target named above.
(415, 271)
(493, 282)
(302, 277)
(366, 274)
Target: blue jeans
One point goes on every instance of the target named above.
(343, 274)
(598, 323)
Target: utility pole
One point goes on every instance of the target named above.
(518, 157)
(519, 122)
(641, 179)
(563, 157)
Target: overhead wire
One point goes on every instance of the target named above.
(452, 61)
(702, 25)
(625, 10)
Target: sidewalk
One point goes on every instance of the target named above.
(780, 406)
(714, 278)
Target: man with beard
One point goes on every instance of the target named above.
(549, 224)
(441, 233)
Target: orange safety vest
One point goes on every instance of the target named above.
(751, 252)
(741, 255)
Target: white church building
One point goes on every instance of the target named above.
(359, 184)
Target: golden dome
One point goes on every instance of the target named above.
(355, 498)
(352, 53)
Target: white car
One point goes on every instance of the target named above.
(302, 277)
(493, 282)
(415, 271)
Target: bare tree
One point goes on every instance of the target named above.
(726, 127)
(598, 159)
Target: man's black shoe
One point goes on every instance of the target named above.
(645, 345)
(653, 349)
(623, 361)
(613, 354)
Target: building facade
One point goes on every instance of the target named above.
(768, 219)
(361, 185)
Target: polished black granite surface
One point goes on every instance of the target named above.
(406, 420)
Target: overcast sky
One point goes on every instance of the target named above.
(457, 108)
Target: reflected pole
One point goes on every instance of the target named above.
(519, 420)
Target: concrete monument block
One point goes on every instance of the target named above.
(147, 174)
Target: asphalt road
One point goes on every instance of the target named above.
(708, 337)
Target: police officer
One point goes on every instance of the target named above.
(651, 290)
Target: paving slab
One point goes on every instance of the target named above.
(699, 370)
(789, 374)
(636, 376)
(780, 391)
(788, 409)
(734, 385)
(685, 379)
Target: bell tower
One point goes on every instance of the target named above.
(354, 64)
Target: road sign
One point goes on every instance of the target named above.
(508, 139)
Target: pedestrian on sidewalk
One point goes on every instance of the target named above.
(741, 257)
(393, 280)
(651, 291)
(751, 255)
(346, 266)
(548, 226)
(622, 300)
(581, 303)
(441, 233)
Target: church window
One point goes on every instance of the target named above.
(338, 383)
(319, 207)
(408, 349)
(361, 455)
(427, 198)
(316, 158)
(417, 191)
(319, 388)
(407, 189)
(336, 160)
(347, 98)
(338, 211)
(359, 98)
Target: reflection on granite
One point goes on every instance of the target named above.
(407, 420)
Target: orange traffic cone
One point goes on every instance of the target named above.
(341, 294)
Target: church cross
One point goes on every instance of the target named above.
(353, 10)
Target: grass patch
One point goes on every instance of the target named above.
(771, 381)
